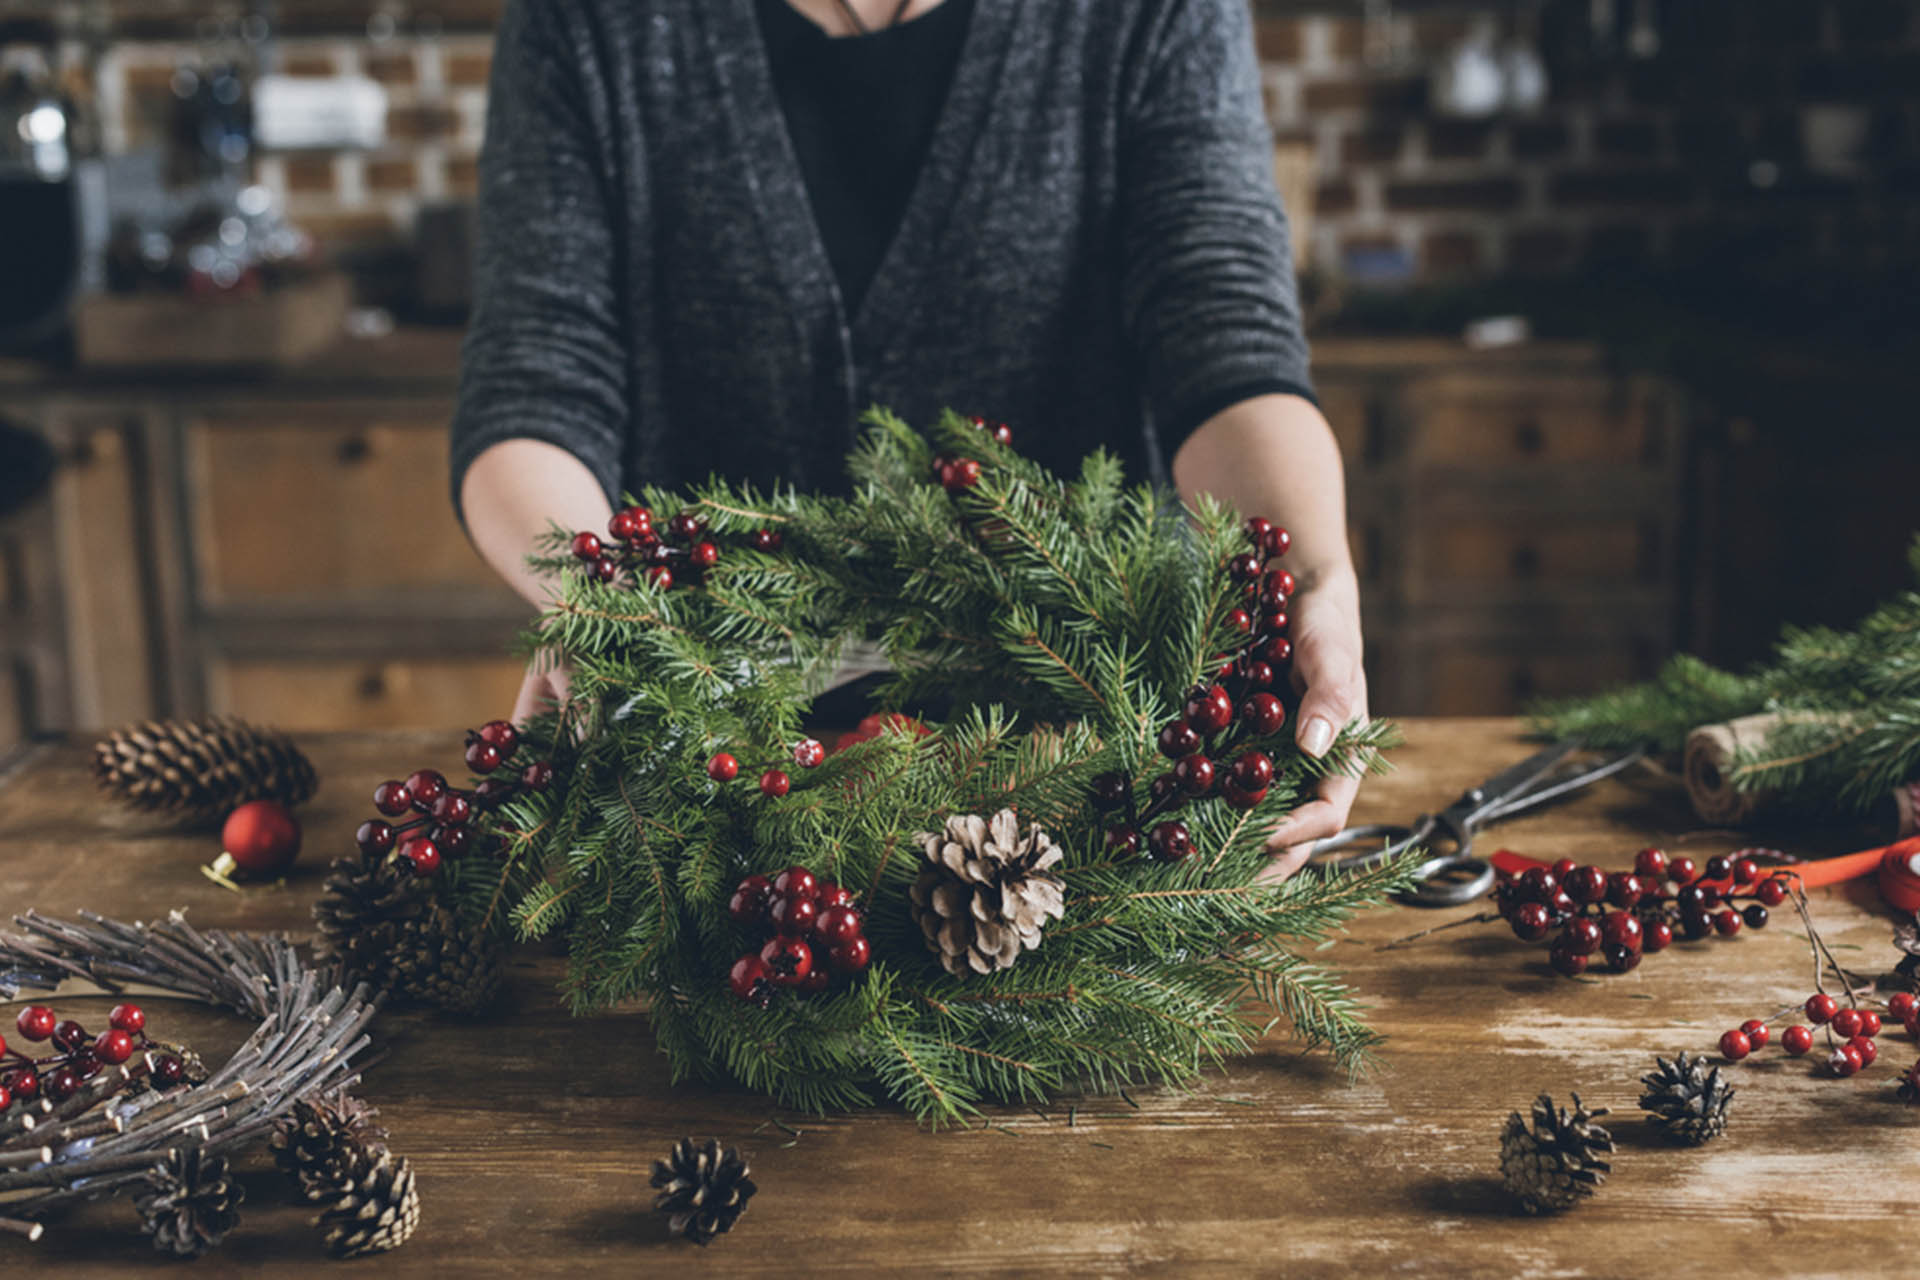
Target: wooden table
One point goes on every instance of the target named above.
(533, 1132)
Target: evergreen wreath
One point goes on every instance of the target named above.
(1027, 919)
(1849, 703)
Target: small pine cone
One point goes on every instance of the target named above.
(703, 1188)
(376, 1208)
(1909, 1089)
(199, 771)
(439, 963)
(323, 1141)
(1555, 1162)
(364, 908)
(191, 1203)
(1687, 1100)
(986, 892)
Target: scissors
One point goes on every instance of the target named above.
(1449, 879)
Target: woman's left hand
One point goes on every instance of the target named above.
(1328, 673)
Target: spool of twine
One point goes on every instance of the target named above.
(1708, 767)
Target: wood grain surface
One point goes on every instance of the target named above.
(533, 1132)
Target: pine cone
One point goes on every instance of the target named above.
(376, 1208)
(1909, 1087)
(1687, 1100)
(192, 1203)
(704, 1188)
(201, 770)
(441, 964)
(986, 891)
(322, 1142)
(1553, 1164)
(365, 908)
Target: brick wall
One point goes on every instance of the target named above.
(1700, 148)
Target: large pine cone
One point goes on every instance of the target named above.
(324, 1140)
(703, 1188)
(191, 1204)
(1550, 1166)
(376, 1207)
(199, 771)
(986, 891)
(1687, 1100)
(439, 963)
(367, 906)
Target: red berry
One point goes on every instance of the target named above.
(748, 905)
(501, 734)
(168, 1070)
(114, 1047)
(585, 545)
(1719, 867)
(704, 554)
(796, 882)
(1538, 884)
(1726, 923)
(723, 767)
(631, 523)
(1123, 840)
(1692, 897)
(1845, 1060)
(1866, 1048)
(1622, 927)
(1565, 959)
(1582, 936)
(1745, 871)
(1755, 915)
(1900, 1006)
(817, 981)
(1178, 739)
(1755, 1031)
(1244, 568)
(374, 837)
(1238, 797)
(788, 958)
(130, 1018)
(1695, 924)
(1261, 675)
(422, 853)
(1771, 892)
(808, 753)
(830, 894)
(686, 525)
(1821, 1007)
(661, 577)
(1681, 870)
(1734, 1045)
(69, 1036)
(766, 540)
(1164, 791)
(1194, 774)
(1620, 957)
(1846, 1023)
(1282, 581)
(1278, 540)
(1586, 884)
(774, 783)
(1002, 434)
(1624, 889)
(451, 841)
(1257, 528)
(1278, 649)
(424, 786)
(1252, 771)
(483, 756)
(452, 809)
(1656, 936)
(851, 956)
(391, 798)
(961, 473)
(36, 1022)
(537, 776)
(1209, 710)
(61, 1083)
(1531, 921)
(1563, 867)
(1262, 714)
(6, 1098)
(1273, 595)
(1240, 620)
(1796, 1039)
(1170, 841)
(1651, 864)
(750, 980)
(835, 925)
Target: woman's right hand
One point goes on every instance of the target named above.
(544, 688)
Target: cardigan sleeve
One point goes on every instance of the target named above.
(1207, 274)
(545, 356)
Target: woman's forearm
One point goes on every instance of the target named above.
(513, 492)
(1274, 456)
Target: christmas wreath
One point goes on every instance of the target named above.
(1056, 883)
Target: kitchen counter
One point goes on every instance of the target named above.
(532, 1132)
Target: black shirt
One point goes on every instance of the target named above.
(861, 111)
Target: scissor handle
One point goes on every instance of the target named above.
(1449, 881)
(1392, 837)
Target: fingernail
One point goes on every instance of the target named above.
(1317, 737)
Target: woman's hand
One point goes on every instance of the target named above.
(544, 688)
(1327, 671)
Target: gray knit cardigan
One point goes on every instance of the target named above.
(1093, 246)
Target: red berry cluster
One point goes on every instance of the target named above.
(1850, 1031)
(871, 727)
(79, 1055)
(1217, 717)
(808, 753)
(958, 473)
(444, 827)
(1622, 914)
(681, 554)
(814, 931)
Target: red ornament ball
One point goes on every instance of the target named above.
(1755, 1031)
(262, 837)
(1581, 936)
(1586, 884)
(36, 1022)
(788, 958)
(130, 1018)
(1195, 774)
(374, 837)
(1734, 1045)
(1745, 871)
(1726, 922)
(1530, 921)
(1681, 870)
(1622, 927)
(1624, 889)
(808, 753)
(1252, 771)
(796, 882)
(1178, 739)
(424, 786)
(1278, 540)
(501, 734)
(1657, 936)
(774, 784)
(1796, 1039)
(723, 767)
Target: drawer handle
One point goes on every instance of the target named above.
(373, 686)
(1528, 438)
(355, 449)
(1526, 560)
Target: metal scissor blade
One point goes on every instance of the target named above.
(1502, 787)
(1534, 797)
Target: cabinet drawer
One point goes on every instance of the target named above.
(1466, 420)
(1534, 555)
(1478, 682)
(320, 504)
(335, 693)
